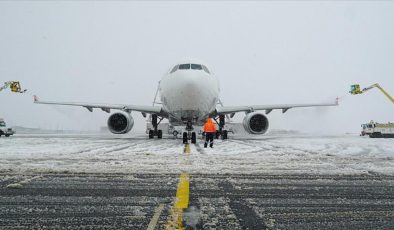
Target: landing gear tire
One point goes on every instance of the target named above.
(159, 134)
(194, 138)
(151, 134)
(185, 138)
(224, 134)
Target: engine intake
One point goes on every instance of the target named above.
(255, 123)
(120, 123)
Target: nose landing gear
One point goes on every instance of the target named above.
(190, 134)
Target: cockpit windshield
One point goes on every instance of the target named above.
(184, 66)
(205, 69)
(174, 69)
(196, 66)
(2, 124)
(190, 66)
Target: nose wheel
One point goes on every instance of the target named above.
(189, 135)
(184, 137)
(192, 136)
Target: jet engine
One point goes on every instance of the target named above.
(120, 123)
(255, 123)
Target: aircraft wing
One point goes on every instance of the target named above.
(107, 107)
(267, 108)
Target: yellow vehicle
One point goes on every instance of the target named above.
(15, 86)
(355, 89)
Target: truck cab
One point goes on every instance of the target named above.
(367, 129)
(4, 130)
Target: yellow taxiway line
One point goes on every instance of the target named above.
(175, 219)
(182, 193)
(181, 202)
(186, 149)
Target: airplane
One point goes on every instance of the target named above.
(189, 94)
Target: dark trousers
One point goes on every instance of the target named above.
(208, 138)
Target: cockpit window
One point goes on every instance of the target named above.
(190, 66)
(184, 66)
(196, 66)
(2, 124)
(174, 69)
(205, 69)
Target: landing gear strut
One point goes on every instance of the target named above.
(155, 123)
(189, 135)
(221, 132)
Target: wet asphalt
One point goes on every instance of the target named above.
(124, 201)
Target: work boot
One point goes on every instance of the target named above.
(205, 144)
(211, 145)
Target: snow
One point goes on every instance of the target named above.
(269, 154)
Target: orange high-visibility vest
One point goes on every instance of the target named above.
(209, 126)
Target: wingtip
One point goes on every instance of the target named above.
(35, 98)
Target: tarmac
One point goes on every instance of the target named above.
(214, 201)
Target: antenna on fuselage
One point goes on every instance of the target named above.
(156, 94)
(155, 100)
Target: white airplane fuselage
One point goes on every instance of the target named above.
(189, 95)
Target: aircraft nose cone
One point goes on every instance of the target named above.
(190, 82)
(189, 92)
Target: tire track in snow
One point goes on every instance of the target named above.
(199, 148)
(116, 144)
(128, 146)
(274, 148)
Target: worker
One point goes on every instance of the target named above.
(210, 130)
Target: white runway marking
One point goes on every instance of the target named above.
(155, 218)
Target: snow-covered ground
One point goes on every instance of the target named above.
(281, 154)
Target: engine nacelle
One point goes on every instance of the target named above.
(255, 123)
(120, 123)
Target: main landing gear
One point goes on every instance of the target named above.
(155, 123)
(221, 132)
(189, 135)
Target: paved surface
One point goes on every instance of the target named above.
(146, 201)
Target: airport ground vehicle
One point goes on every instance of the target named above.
(374, 129)
(15, 87)
(355, 89)
(378, 130)
(4, 130)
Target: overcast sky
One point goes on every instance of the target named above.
(262, 52)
